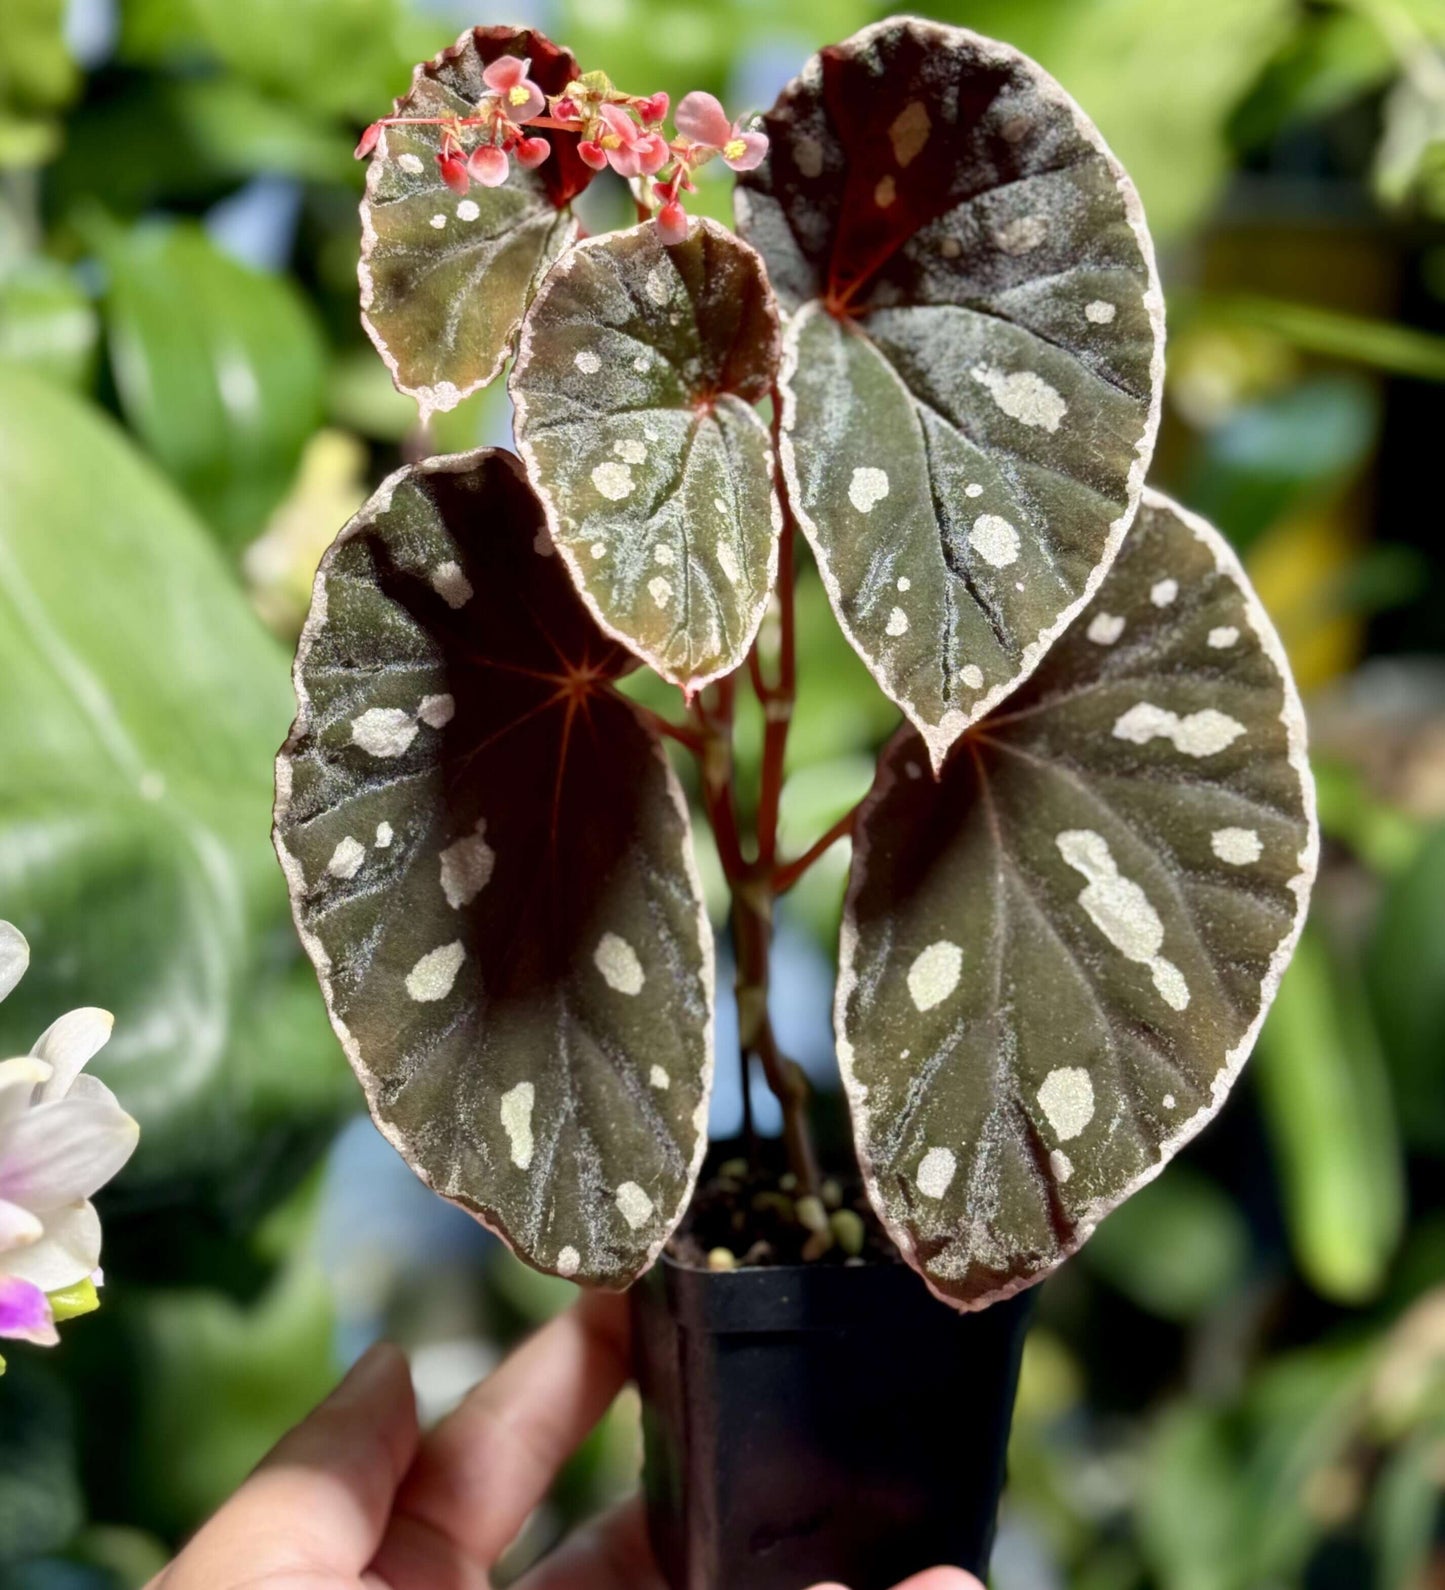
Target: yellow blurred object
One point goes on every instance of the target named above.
(1214, 369)
(1298, 566)
(73, 1301)
(280, 563)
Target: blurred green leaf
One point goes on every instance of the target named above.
(1405, 971)
(1268, 457)
(47, 323)
(1405, 1514)
(220, 370)
(142, 706)
(1386, 839)
(1326, 1100)
(41, 1505)
(1190, 1502)
(37, 79)
(1378, 344)
(1178, 1248)
(168, 140)
(1160, 77)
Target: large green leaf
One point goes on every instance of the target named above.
(220, 370)
(1056, 958)
(490, 863)
(445, 280)
(635, 383)
(141, 705)
(973, 361)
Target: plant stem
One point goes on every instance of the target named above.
(787, 875)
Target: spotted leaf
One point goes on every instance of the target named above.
(445, 279)
(972, 360)
(490, 865)
(635, 383)
(1056, 958)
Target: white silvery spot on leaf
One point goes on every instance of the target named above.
(1061, 1165)
(1169, 1101)
(587, 362)
(1021, 235)
(598, 549)
(466, 867)
(656, 286)
(867, 488)
(516, 1112)
(62, 1137)
(973, 489)
(384, 836)
(727, 561)
(346, 859)
(1066, 1097)
(383, 731)
(1023, 395)
(885, 192)
(640, 364)
(1121, 911)
(616, 959)
(935, 1172)
(934, 974)
(634, 1205)
(1224, 637)
(1105, 628)
(569, 1261)
(1240, 847)
(663, 554)
(437, 711)
(904, 583)
(1163, 592)
(659, 1079)
(1203, 733)
(411, 164)
(438, 220)
(630, 451)
(659, 587)
(432, 977)
(995, 540)
(808, 153)
(972, 676)
(897, 623)
(614, 481)
(908, 132)
(1099, 312)
(454, 588)
(467, 210)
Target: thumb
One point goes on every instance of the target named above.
(320, 1502)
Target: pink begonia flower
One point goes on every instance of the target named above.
(701, 118)
(62, 1137)
(522, 100)
(531, 152)
(631, 151)
(488, 165)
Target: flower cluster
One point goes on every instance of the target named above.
(619, 130)
(62, 1137)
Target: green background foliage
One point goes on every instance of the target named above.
(1241, 1382)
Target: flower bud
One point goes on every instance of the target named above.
(591, 153)
(454, 172)
(368, 140)
(654, 109)
(531, 152)
(488, 165)
(672, 223)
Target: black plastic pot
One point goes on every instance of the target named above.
(820, 1422)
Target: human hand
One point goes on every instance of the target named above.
(355, 1498)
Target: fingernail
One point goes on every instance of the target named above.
(361, 1381)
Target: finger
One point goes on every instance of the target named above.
(320, 1502)
(611, 1553)
(929, 1579)
(480, 1473)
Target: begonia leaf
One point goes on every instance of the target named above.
(445, 279)
(636, 376)
(490, 864)
(972, 359)
(1055, 958)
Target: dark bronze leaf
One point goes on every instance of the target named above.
(636, 376)
(973, 355)
(445, 279)
(490, 864)
(1056, 958)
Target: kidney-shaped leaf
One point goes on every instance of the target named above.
(1056, 958)
(446, 279)
(972, 365)
(490, 864)
(635, 382)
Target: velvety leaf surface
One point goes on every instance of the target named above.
(973, 357)
(445, 279)
(490, 864)
(635, 382)
(1056, 957)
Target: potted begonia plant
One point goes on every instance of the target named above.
(934, 347)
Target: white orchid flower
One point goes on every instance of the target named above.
(62, 1137)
